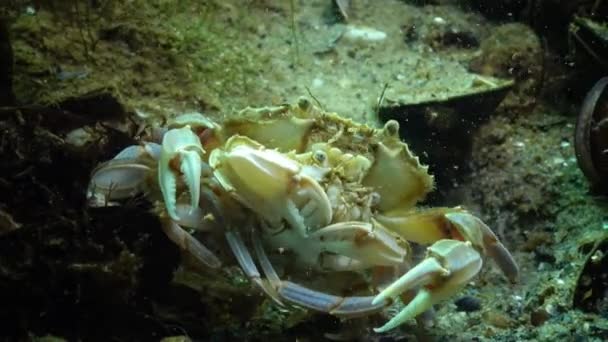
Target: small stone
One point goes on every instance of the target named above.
(7, 223)
(317, 82)
(79, 137)
(30, 10)
(538, 317)
(439, 20)
(497, 319)
(176, 339)
(468, 304)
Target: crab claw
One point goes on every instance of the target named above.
(449, 266)
(271, 184)
(480, 235)
(365, 242)
(432, 225)
(123, 176)
(180, 155)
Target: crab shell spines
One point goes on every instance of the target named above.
(376, 158)
(283, 133)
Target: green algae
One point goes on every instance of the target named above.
(147, 51)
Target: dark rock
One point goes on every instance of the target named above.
(503, 9)
(6, 66)
(538, 317)
(468, 304)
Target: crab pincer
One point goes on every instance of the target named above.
(448, 267)
(181, 155)
(271, 184)
(481, 236)
(124, 175)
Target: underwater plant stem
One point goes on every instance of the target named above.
(381, 99)
(294, 33)
(315, 99)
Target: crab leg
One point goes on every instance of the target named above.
(190, 244)
(267, 267)
(335, 305)
(312, 299)
(449, 266)
(248, 265)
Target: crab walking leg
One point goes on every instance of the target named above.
(211, 202)
(269, 271)
(190, 244)
(335, 305)
(267, 267)
(248, 265)
(449, 266)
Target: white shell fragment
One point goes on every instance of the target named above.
(7, 223)
(364, 34)
(79, 137)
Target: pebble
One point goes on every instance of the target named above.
(439, 20)
(468, 304)
(538, 317)
(79, 137)
(497, 319)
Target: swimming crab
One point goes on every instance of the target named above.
(307, 190)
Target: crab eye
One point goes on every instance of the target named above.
(304, 104)
(320, 157)
(391, 127)
(374, 199)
